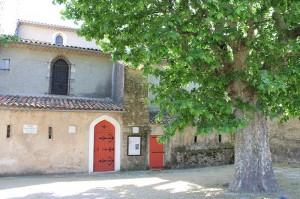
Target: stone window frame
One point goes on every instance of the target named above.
(59, 40)
(59, 34)
(51, 75)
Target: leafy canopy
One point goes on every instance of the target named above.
(5, 39)
(208, 43)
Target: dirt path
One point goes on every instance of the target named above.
(188, 183)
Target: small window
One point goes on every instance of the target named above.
(59, 40)
(8, 131)
(50, 134)
(4, 64)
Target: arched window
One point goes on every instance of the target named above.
(59, 40)
(60, 77)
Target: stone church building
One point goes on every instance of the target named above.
(65, 106)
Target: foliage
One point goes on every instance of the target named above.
(5, 39)
(211, 44)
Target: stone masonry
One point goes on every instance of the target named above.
(136, 115)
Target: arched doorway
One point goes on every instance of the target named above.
(104, 147)
(97, 132)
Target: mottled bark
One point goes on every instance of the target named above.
(253, 164)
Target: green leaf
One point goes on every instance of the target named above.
(232, 47)
(220, 15)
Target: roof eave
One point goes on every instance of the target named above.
(61, 47)
(60, 110)
(44, 25)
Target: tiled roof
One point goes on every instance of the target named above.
(152, 114)
(56, 103)
(43, 43)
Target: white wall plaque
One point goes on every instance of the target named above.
(135, 129)
(72, 129)
(134, 145)
(29, 128)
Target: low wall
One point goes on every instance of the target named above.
(202, 158)
(285, 141)
(186, 150)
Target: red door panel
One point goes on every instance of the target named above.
(156, 153)
(104, 147)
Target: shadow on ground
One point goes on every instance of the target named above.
(189, 183)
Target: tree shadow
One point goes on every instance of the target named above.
(187, 183)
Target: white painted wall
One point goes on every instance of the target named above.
(71, 38)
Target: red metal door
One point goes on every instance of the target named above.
(104, 147)
(156, 153)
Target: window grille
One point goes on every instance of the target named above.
(60, 78)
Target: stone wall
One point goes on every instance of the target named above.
(203, 157)
(285, 141)
(118, 84)
(210, 150)
(66, 152)
(182, 151)
(136, 115)
(185, 150)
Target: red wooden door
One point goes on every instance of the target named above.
(156, 153)
(104, 147)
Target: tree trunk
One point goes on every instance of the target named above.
(253, 165)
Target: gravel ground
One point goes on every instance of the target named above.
(187, 183)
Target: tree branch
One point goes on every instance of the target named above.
(188, 33)
(170, 5)
(283, 28)
(280, 24)
(294, 33)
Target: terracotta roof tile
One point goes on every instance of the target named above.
(56, 103)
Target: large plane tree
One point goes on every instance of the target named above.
(242, 56)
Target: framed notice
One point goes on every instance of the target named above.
(134, 145)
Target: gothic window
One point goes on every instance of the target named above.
(60, 77)
(59, 40)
